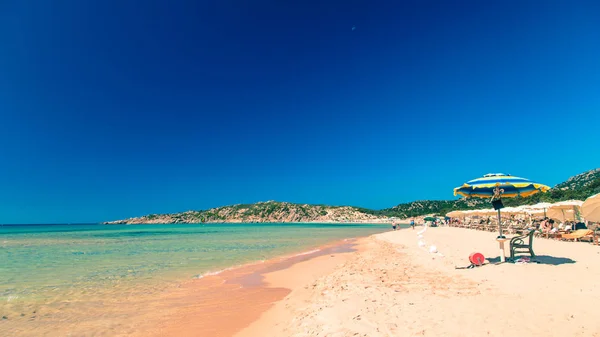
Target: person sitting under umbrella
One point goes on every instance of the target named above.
(546, 226)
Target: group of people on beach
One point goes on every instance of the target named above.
(543, 225)
(397, 226)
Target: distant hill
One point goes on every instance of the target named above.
(270, 211)
(578, 187)
(580, 181)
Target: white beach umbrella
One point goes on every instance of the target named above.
(565, 210)
(454, 214)
(470, 214)
(524, 208)
(562, 215)
(481, 212)
(489, 212)
(512, 210)
(523, 211)
(467, 213)
(535, 211)
(539, 208)
(541, 205)
(591, 208)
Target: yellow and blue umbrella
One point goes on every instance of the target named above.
(499, 185)
(513, 186)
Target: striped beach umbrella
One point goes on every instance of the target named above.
(513, 186)
(498, 185)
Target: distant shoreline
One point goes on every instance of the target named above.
(401, 222)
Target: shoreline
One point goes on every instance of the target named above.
(382, 221)
(266, 285)
(298, 279)
(223, 303)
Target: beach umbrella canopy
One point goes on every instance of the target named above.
(591, 208)
(485, 212)
(562, 215)
(529, 210)
(460, 214)
(455, 214)
(513, 186)
(541, 205)
(569, 204)
(524, 208)
(520, 210)
(539, 208)
(569, 210)
(513, 210)
(536, 212)
(429, 218)
(498, 185)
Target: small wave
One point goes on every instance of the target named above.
(212, 273)
(11, 298)
(307, 253)
(217, 272)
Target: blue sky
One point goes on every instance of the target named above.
(112, 109)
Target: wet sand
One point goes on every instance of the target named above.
(223, 304)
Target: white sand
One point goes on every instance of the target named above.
(393, 287)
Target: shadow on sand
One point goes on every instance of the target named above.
(539, 259)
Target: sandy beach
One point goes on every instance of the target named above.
(393, 287)
(380, 285)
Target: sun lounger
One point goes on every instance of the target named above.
(578, 234)
(519, 245)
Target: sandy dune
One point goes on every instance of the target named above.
(393, 287)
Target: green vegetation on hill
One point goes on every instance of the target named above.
(578, 187)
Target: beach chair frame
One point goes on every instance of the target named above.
(518, 245)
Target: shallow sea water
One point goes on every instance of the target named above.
(70, 273)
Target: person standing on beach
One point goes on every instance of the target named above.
(394, 225)
(412, 223)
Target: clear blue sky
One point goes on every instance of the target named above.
(112, 109)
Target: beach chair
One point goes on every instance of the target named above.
(518, 245)
(519, 230)
(579, 234)
(554, 234)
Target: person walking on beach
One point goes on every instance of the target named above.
(394, 225)
(412, 223)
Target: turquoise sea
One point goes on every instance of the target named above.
(48, 266)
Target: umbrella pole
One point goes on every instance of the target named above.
(500, 236)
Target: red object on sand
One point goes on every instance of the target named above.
(476, 259)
